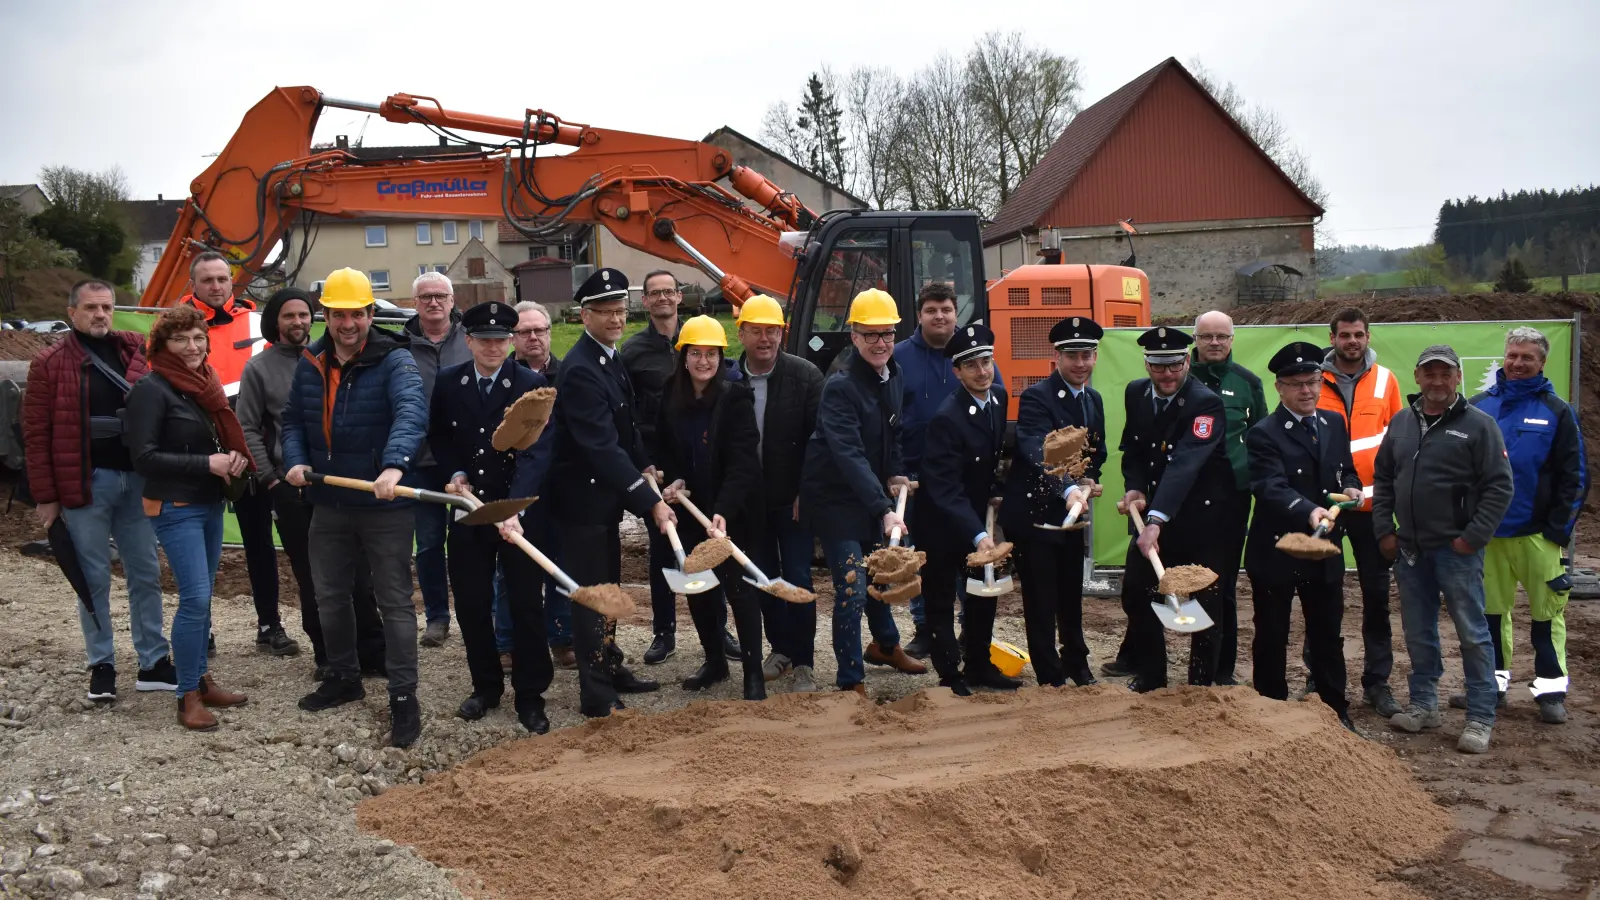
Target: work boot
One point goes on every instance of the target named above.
(476, 707)
(993, 679)
(957, 686)
(1083, 677)
(1475, 737)
(776, 666)
(1139, 686)
(1552, 711)
(1415, 719)
(564, 657)
(272, 639)
(804, 681)
(1344, 719)
(712, 671)
(625, 682)
(193, 715)
(103, 683)
(921, 643)
(664, 645)
(895, 659)
(1116, 669)
(435, 634)
(320, 673)
(1380, 698)
(730, 646)
(755, 684)
(333, 691)
(1309, 689)
(532, 717)
(405, 720)
(216, 697)
(1459, 701)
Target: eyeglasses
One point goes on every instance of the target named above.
(662, 294)
(433, 298)
(187, 340)
(875, 337)
(609, 313)
(529, 332)
(1213, 338)
(1165, 367)
(1299, 385)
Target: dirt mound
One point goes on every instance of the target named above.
(42, 294)
(23, 346)
(1090, 792)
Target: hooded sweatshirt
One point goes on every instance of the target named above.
(927, 378)
(264, 389)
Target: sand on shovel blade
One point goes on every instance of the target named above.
(895, 565)
(1304, 546)
(606, 599)
(983, 558)
(790, 593)
(1066, 452)
(899, 593)
(524, 420)
(708, 554)
(1186, 580)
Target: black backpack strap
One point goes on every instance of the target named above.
(113, 375)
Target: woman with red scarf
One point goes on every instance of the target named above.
(188, 445)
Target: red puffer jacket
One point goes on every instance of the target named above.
(55, 417)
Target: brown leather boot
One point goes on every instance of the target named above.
(897, 660)
(211, 695)
(193, 715)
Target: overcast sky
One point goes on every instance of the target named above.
(1400, 105)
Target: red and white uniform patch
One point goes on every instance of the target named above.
(1202, 426)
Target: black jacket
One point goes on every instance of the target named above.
(1032, 497)
(793, 391)
(461, 428)
(1290, 475)
(732, 486)
(172, 441)
(1178, 460)
(959, 456)
(853, 453)
(650, 360)
(599, 452)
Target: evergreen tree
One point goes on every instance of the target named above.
(820, 124)
(1513, 278)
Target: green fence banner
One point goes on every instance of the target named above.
(1481, 346)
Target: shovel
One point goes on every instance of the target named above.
(777, 587)
(1317, 546)
(901, 591)
(679, 581)
(1187, 616)
(988, 585)
(1071, 522)
(474, 512)
(605, 599)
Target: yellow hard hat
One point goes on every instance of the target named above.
(873, 307)
(703, 331)
(760, 310)
(347, 289)
(1008, 658)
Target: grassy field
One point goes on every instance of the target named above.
(1355, 284)
(564, 335)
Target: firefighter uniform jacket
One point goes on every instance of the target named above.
(1177, 459)
(960, 454)
(599, 453)
(462, 422)
(1033, 497)
(1292, 473)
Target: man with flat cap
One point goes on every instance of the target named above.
(959, 458)
(1050, 562)
(1176, 473)
(1299, 456)
(598, 471)
(469, 401)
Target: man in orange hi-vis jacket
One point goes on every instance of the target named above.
(233, 338)
(1368, 396)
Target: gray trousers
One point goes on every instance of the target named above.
(340, 536)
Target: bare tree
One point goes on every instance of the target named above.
(88, 194)
(1027, 96)
(942, 165)
(779, 133)
(874, 101)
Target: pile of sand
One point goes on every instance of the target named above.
(708, 554)
(1066, 452)
(1049, 793)
(1186, 580)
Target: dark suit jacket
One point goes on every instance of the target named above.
(1178, 460)
(1290, 476)
(462, 423)
(853, 453)
(732, 486)
(1032, 497)
(599, 453)
(960, 453)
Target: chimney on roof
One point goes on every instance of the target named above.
(443, 142)
(342, 142)
(160, 198)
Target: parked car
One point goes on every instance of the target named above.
(47, 326)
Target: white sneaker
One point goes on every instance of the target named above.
(776, 666)
(803, 682)
(1475, 738)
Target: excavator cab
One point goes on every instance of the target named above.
(849, 251)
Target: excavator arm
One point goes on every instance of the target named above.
(659, 195)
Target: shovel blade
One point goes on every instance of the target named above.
(496, 511)
(681, 582)
(981, 588)
(1187, 616)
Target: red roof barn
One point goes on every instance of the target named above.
(1217, 219)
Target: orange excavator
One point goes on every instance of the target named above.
(682, 201)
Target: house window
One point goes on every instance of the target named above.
(423, 269)
(538, 251)
(475, 267)
(377, 235)
(449, 229)
(155, 253)
(441, 268)
(380, 279)
(424, 233)
(475, 228)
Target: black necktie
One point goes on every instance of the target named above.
(1083, 408)
(485, 385)
(1161, 404)
(1310, 422)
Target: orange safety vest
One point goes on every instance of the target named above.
(235, 336)
(1376, 400)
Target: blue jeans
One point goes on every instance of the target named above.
(845, 556)
(785, 552)
(433, 578)
(192, 538)
(116, 509)
(1421, 580)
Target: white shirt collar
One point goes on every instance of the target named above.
(611, 352)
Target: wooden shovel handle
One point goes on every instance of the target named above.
(899, 510)
(1155, 558)
(672, 530)
(400, 490)
(738, 554)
